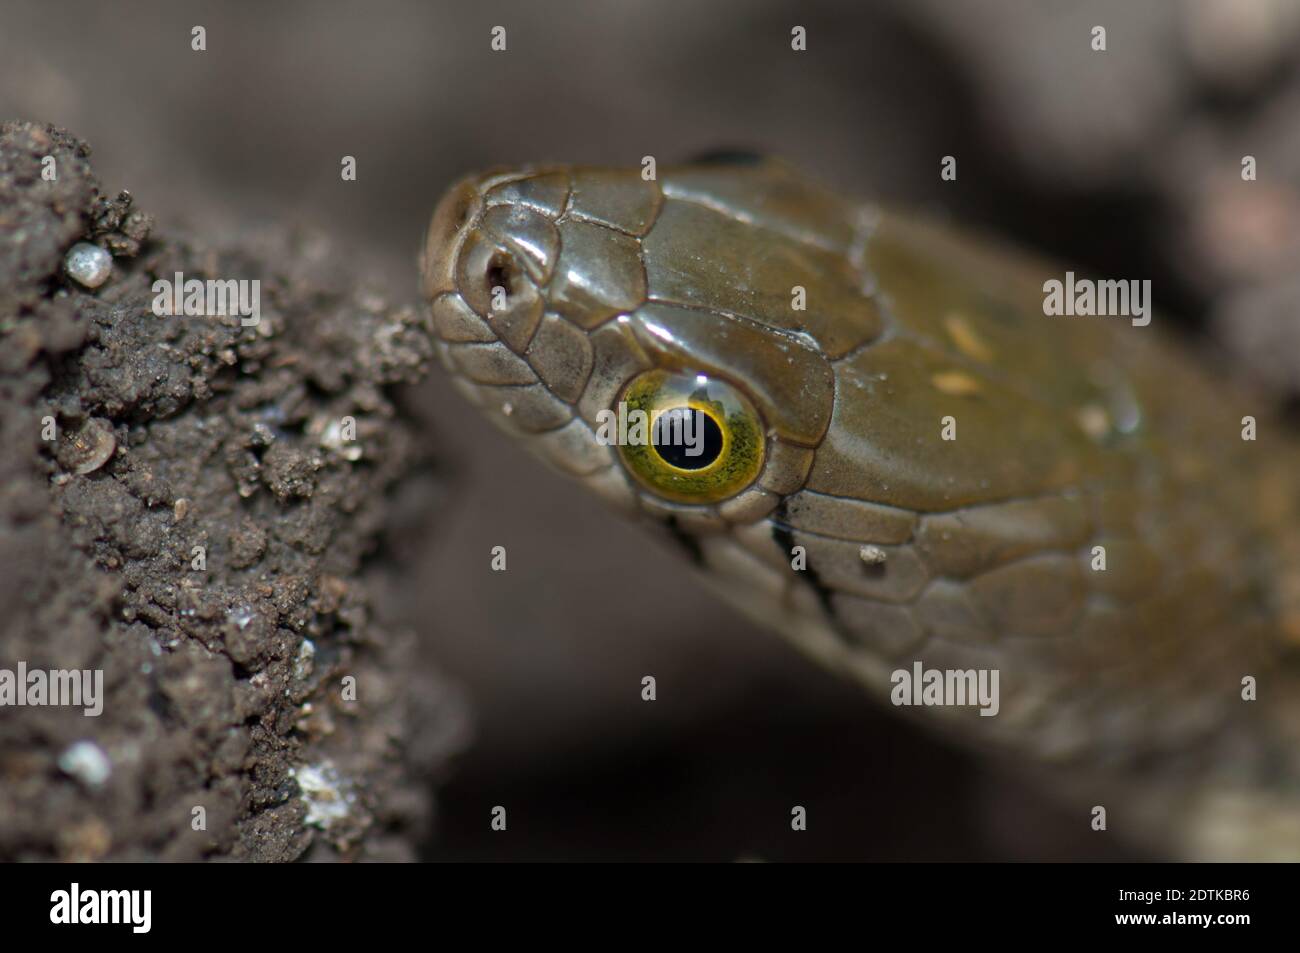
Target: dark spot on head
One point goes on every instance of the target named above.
(784, 537)
(741, 157)
(685, 540)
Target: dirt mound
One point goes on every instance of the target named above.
(189, 505)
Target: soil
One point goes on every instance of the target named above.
(263, 686)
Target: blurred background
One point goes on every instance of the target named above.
(1126, 161)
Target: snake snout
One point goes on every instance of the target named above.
(450, 221)
(489, 260)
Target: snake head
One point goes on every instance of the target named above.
(642, 335)
(799, 364)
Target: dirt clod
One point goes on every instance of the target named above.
(168, 518)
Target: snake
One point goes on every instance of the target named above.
(900, 461)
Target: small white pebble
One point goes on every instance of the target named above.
(873, 555)
(87, 762)
(240, 617)
(88, 264)
(303, 664)
(327, 795)
(331, 438)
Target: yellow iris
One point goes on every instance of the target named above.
(704, 440)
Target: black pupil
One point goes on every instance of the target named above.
(687, 438)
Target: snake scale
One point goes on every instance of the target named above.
(904, 459)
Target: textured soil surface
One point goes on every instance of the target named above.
(260, 686)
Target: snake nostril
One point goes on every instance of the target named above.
(499, 274)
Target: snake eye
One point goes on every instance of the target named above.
(703, 440)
